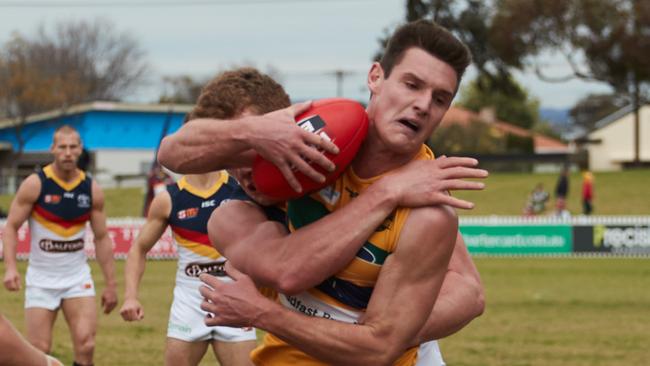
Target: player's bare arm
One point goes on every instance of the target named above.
(103, 249)
(206, 145)
(395, 312)
(19, 211)
(16, 351)
(242, 228)
(460, 300)
(150, 232)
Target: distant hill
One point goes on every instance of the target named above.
(556, 116)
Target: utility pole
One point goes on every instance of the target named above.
(340, 75)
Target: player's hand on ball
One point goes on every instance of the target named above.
(132, 310)
(280, 141)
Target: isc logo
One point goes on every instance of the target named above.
(68, 195)
(209, 203)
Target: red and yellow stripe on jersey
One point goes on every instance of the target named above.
(63, 207)
(345, 295)
(188, 219)
(57, 231)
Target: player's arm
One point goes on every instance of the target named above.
(151, 231)
(103, 248)
(284, 262)
(16, 351)
(461, 297)
(205, 145)
(402, 299)
(19, 211)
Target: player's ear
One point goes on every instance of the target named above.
(375, 77)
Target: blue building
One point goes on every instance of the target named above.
(121, 140)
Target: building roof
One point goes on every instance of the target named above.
(102, 125)
(543, 144)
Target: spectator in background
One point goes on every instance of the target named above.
(587, 192)
(537, 199)
(561, 192)
(157, 182)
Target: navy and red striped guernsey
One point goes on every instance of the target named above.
(57, 230)
(188, 220)
(63, 207)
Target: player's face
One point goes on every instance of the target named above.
(407, 106)
(66, 148)
(245, 178)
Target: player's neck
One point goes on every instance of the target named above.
(375, 158)
(203, 181)
(65, 175)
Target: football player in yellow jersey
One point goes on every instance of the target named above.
(407, 104)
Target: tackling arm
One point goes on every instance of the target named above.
(206, 145)
(284, 262)
(401, 301)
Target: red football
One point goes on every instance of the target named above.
(343, 121)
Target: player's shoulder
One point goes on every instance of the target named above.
(435, 217)
(31, 186)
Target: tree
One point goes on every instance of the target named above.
(472, 22)
(475, 138)
(595, 107)
(182, 89)
(600, 40)
(72, 63)
(516, 106)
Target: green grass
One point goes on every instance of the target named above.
(616, 193)
(541, 311)
(619, 193)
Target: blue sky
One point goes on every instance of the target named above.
(304, 40)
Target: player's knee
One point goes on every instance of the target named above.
(86, 344)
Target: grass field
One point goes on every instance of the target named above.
(540, 311)
(619, 193)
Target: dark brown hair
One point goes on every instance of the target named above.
(231, 92)
(430, 37)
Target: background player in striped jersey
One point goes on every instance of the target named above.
(186, 208)
(294, 265)
(59, 201)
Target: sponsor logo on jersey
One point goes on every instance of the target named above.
(83, 200)
(61, 246)
(209, 203)
(195, 269)
(52, 199)
(329, 195)
(68, 195)
(188, 213)
(387, 224)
